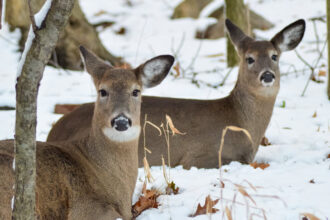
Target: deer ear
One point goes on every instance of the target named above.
(154, 70)
(235, 33)
(290, 36)
(93, 64)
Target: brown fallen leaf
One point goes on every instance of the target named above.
(322, 73)
(256, 165)
(328, 157)
(314, 115)
(172, 189)
(177, 70)
(309, 216)
(207, 208)
(312, 181)
(146, 201)
(265, 142)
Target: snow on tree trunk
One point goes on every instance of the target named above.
(237, 13)
(43, 43)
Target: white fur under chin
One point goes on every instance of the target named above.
(266, 84)
(122, 136)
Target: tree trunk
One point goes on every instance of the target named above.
(328, 37)
(26, 102)
(237, 13)
(78, 32)
(217, 30)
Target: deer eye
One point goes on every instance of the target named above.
(274, 57)
(103, 93)
(249, 60)
(136, 92)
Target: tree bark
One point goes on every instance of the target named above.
(328, 37)
(26, 102)
(78, 32)
(217, 30)
(237, 13)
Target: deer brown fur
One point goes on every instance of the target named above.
(92, 177)
(249, 106)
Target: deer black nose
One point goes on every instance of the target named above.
(267, 77)
(121, 123)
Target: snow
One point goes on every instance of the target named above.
(39, 17)
(300, 142)
(27, 47)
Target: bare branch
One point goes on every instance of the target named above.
(33, 21)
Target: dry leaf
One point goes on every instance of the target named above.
(173, 129)
(256, 165)
(172, 189)
(265, 142)
(244, 193)
(310, 216)
(228, 213)
(328, 157)
(322, 73)
(177, 70)
(314, 115)
(101, 12)
(215, 55)
(207, 208)
(312, 181)
(146, 201)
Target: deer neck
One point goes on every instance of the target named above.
(111, 168)
(253, 111)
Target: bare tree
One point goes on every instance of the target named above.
(37, 56)
(237, 13)
(328, 37)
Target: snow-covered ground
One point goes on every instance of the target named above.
(298, 178)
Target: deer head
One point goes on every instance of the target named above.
(117, 108)
(259, 60)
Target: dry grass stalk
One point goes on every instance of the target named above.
(310, 216)
(224, 131)
(169, 125)
(164, 171)
(145, 161)
(228, 213)
(147, 172)
(244, 193)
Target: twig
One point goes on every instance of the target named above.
(226, 76)
(312, 68)
(33, 21)
(0, 14)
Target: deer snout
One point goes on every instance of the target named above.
(267, 78)
(121, 122)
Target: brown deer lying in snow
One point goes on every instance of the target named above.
(92, 177)
(249, 106)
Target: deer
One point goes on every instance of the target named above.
(249, 106)
(92, 177)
